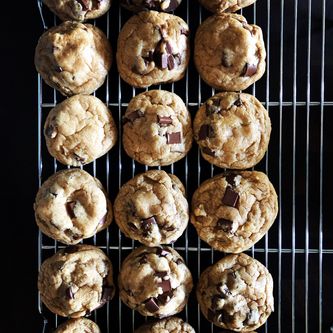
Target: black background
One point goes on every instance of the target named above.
(20, 32)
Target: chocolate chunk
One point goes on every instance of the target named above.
(132, 116)
(168, 48)
(132, 226)
(50, 132)
(213, 106)
(206, 131)
(71, 249)
(107, 294)
(161, 60)
(172, 6)
(69, 293)
(84, 4)
(70, 209)
(171, 228)
(171, 62)
(165, 297)
(238, 102)
(174, 138)
(230, 197)
(231, 179)
(146, 224)
(164, 120)
(161, 274)
(208, 151)
(151, 305)
(165, 285)
(215, 300)
(79, 158)
(249, 70)
(184, 31)
(224, 224)
(162, 252)
(210, 315)
(179, 261)
(58, 69)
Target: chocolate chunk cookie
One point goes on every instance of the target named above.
(159, 5)
(157, 128)
(233, 211)
(78, 10)
(236, 293)
(155, 281)
(78, 325)
(72, 205)
(229, 53)
(73, 58)
(232, 130)
(79, 130)
(152, 208)
(167, 325)
(76, 280)
(153, 48)
(220, 6)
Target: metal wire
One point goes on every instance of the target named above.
(273, 249)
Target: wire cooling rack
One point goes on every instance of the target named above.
(298, 250)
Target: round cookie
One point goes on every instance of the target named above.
(236, 293)
(153, 48)
(157, 128)
(229, 53)
(167, 325)
(220, 6)
(73, 58)
(159, 5)
(233, 211)
(155, 281)
(76, 280)
(71, 206)
(79, 130)
(232, 130)
(152, 208)
(78, 325)
(78, 10)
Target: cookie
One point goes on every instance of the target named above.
(71, 206)
(78, 10)
(78, 325)
(155, 281)
(167, 325)
(157, 128)
(233, 211)
(153, 48)
(159, 5)
(79, 130)
(76, 280)
(73, 58)
(232, 130)
(152, 208)
(236, 293)
(229, 53)
(220, 6)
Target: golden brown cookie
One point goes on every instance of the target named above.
(220, 6)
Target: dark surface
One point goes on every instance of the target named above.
(19, 137)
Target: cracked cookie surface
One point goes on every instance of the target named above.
(155, 281)
(236, 293)
(78, 10)
(157, 128)
(233, 211)
(158, 5)
(72, 205)
(76, 280)
(73, 58)
(79, 130)
(220, 6)
(153, 48)
(152, 208)
(229, 53)
(167, 325)
(232, 130)
(78, 325)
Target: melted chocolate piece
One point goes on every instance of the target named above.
(206, 131)
(107, 294)
(161, 274)
(213, 106)
(208, 151)
(165, 297)
(173, 138)
(231, 179)
(163, 120)
(132, 116)
(249, 70)
(165, 285)
(151, 305)
(224, 224)
(230, 197)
